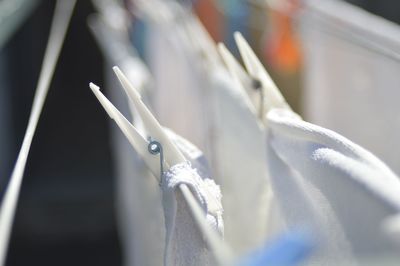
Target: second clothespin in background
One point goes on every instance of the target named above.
(262, 91)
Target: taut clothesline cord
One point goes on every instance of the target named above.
(59, 26)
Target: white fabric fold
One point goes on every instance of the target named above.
(184, 242)
(239, 165)
(178, 82)
(201, 102)
(334, 187)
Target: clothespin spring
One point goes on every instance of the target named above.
(257, 85)
(155, 148)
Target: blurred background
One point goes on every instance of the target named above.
(337, 64)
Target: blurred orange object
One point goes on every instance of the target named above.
(282, 48)
(211, 18)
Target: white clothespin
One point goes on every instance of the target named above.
(170, 155)
(240, 76)
(130, 132)
(272, 96)
(234, 68)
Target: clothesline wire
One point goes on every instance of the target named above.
(61, 18)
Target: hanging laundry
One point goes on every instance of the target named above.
(316, 214)
(247, 226)
(333, 187)
(247, 218)
(230, 176)
(201, 91)
(234, 111)
(203, 191)
(352, 72)
(180, 96)
(184, 242)
(237, 94)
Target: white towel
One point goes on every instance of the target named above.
(140, 210)
(350, 81)
(200, 101)
(239, 164)
(332, 186)
(180, 98)
(184, 242)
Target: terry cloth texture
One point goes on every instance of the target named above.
(184, 242)
(335, 188)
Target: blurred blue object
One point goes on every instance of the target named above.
(236, 13)
(289, 249)
(138, 36)
(233, 7)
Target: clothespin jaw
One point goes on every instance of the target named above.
(153, 128)
(273, 97)
(130, 132)
(239, 75)
(171, 155)
(234, 67)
